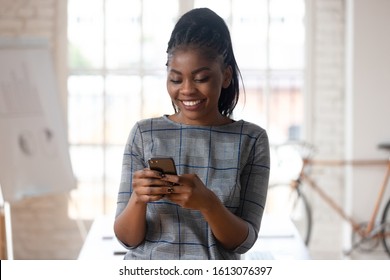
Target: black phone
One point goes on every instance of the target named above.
(165, 165)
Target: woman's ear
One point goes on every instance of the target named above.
(227, 76)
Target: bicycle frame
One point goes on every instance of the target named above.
(303, 176)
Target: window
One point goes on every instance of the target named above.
(117, 67)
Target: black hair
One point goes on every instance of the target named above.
(204, 29)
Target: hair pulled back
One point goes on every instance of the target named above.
(204, 29)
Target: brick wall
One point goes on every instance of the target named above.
(28, 18)
(41, 226)
(39, 18)
(326, 118)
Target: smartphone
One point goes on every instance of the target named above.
(165, 165)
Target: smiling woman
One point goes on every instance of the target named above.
(194, 84)
(214, 208)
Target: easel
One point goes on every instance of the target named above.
(6, 248)
(38, 146)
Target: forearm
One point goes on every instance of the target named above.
(130, 225)
(229, 229)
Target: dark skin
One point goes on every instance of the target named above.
(194, 84)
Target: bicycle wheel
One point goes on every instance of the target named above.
(386, 228)
(284, 200)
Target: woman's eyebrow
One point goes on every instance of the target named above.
(204, 68)
(175, 71)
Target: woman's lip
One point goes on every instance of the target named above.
(192, 104)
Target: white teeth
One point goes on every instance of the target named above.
(191, 103)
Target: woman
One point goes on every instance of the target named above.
(213, 209)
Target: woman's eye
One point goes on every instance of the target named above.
(201, 80)
(175, 81)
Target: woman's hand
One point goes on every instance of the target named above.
(148, 186)
(188, 191)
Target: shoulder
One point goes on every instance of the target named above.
(148, 124)
(142, 126)
(250, 129)
(252, 126)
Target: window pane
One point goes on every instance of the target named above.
(249, 34)
(88, 166)
(156, 98)
(87, 201)
(114, 156)
(252, 102)
(123, 107)
(88, 163)
(85, 109)
(123, 33)
(286, 106)
(280, 107)
(85, 34)
(85, 85)
(157, 27)
(286, 34)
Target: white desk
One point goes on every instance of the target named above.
(278, 239)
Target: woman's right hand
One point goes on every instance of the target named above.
(148, 185)
(130, 225)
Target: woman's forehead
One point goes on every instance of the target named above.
(186, 54)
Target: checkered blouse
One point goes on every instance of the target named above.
(232, 160)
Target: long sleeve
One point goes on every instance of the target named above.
(133, 159)
(254, 186)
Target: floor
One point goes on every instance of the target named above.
(378, 254)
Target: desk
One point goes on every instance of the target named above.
(278, 239)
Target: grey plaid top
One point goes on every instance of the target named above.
(232, 160)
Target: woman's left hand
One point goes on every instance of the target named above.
(189, 191)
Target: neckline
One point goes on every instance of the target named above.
(166, 118)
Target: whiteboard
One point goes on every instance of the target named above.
(34, 153)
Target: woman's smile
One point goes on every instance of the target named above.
(192, 104)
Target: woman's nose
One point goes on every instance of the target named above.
(187, 87)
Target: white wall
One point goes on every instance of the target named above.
(367, 98)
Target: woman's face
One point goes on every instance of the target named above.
(194, 83)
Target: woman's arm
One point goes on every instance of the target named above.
(130, 224)
(229, 229)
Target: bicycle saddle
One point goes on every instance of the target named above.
(384, 146)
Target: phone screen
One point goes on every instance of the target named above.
(163, 165)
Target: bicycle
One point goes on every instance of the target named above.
(289, 199)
